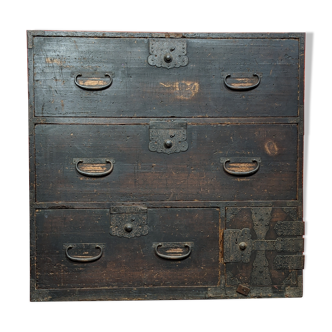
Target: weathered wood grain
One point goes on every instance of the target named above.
(189, 196)
(141, 175)
(141, 90)
(127, 262)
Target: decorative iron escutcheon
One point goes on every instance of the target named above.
(168, 53)
(129, 221)
(238, 245)
(168, 137)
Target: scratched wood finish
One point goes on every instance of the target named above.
(127, 262)
(141, 175)
(188, 196)
(141, 90)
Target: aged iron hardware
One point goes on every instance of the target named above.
(289, 262)
(174, 248)
(168, 137)
(84, 247)
(244, 290)
(264, 261)
(238, 246)
(238, 86)
(78, 161)
(242, 245)
(93, 84)
(167, 53)
(289, 228)
(237, 161)
(168, 58)
(128, 227)
(168, 144)
(129, 221)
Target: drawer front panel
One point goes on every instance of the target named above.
(131, 87)
(126, 262)
(212, 168)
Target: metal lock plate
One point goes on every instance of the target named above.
(237, 245)
(168, 137)
(168, 53)
(129, 221)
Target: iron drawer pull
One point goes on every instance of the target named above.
(242, 173)
(94, 174)
(94, 87)
(186, 245)
(242, 87)
(87, 259)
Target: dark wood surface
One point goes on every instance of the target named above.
(142, 175)
(141, 90)
(188, 195)
(126, 262)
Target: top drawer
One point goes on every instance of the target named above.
(134, 88)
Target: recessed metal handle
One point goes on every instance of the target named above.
(84, 259)
(97, 174)
(173, 257)
(224, 161)
(245, 87)
(94, 87)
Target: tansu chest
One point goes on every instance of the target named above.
(165, 166)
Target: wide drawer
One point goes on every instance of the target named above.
(131, 87)
(90, 248)
(214, 167)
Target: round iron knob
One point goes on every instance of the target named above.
(128, 228)
(243, 245)
(168, 144)
(168, 58)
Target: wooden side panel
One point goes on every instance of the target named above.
(141, 90)
(126, 262)
(141, 175)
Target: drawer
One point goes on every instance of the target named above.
(222, 162)
(78, 248)
(131, 87)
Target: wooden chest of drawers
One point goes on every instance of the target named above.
(165, 166)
